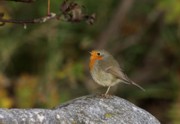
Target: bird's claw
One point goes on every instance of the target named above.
(104, 96)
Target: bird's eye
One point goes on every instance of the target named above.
(98, 54)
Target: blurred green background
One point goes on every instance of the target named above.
(47, 64)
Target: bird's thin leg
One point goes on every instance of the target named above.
(107, 90)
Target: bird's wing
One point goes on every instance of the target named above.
(119, 74)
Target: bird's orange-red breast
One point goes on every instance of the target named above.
(93, 58)
(106, 71)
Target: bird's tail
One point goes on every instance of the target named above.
(128, 81)
(133, 83)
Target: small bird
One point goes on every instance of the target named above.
(106, 71)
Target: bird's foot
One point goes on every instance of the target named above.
(105, 96)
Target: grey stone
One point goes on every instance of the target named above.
(84, 110)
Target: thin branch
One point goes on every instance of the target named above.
(49, 5)
(70, 11)
(38, 20)
(24, 1)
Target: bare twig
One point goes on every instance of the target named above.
(71, 11)
(38, 20)
(49, 5)
(24, 1)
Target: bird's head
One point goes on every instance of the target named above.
(97, 55)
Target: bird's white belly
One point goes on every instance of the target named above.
(103, 78)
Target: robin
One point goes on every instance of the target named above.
(106, 71)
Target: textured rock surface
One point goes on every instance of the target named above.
(83, 110)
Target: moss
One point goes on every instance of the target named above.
(108, 115)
